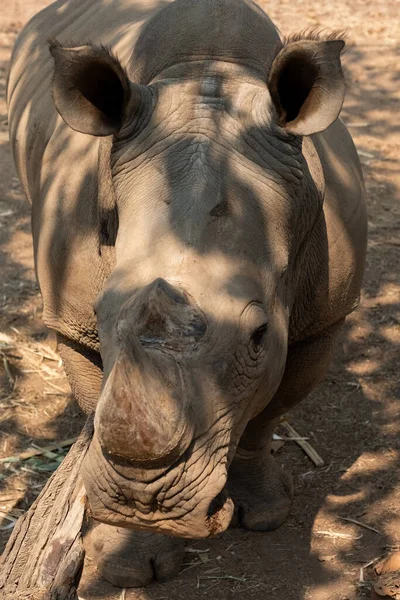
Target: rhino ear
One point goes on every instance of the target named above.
(307, 86)
(91, 90)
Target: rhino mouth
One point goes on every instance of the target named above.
(188, 499)
(220, 512)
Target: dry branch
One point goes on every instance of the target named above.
(304, 445)
(359, 524)
(44, 555)
(38, 451)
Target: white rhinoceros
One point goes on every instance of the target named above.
(199, 230)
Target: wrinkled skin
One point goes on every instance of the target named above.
(199, 229)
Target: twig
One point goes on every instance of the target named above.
(49, 353)
(40, 367)
(222, 577)
(361, 524)
(7, 370)
(8, 516)
(8, 498)
(56, 387)
(195, 564)
(304, 445)
(281, 438)
(365, 154)
(6, 342)
(196, 551)
(39, 451)
(6, 527)
(368, 564)
(337, 534)
(231, 546)
(210, 587)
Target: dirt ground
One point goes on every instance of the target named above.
(353, 419)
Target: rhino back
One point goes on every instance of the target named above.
(345, 214)
(58, 166)
(329, 290)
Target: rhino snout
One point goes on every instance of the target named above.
(157, 460)
(186, 499)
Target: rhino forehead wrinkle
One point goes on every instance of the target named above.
(196, 190)
(211, 86)
(213, 242)
(199, 167)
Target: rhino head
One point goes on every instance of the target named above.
(213, 205)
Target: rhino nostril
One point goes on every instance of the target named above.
(217, 503)
(220, 513)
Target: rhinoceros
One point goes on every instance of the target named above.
(199, 229)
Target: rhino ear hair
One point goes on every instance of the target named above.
(91, 90)
(307, 86)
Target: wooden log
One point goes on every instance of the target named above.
(43, 559)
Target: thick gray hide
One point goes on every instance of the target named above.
(199, 192)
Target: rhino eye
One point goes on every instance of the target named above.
(258, 335)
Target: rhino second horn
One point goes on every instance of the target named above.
(167, 317)
(142, 414)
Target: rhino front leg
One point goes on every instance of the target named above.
(260, 489)
(128, 558)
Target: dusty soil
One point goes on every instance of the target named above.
(352, 419)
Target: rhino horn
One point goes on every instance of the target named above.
(142, 414)
(168, 318)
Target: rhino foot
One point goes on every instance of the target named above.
(128, 558)
(261, 491)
